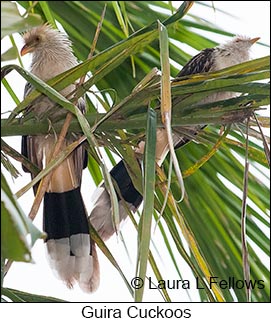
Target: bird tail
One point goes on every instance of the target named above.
(101, 215)
(71, 251)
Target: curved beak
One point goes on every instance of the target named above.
(26, 49)
(254, 40)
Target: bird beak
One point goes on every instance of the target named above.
(253, 40)
(26, 49)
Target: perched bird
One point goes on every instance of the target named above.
(210, 59)
(71, 251)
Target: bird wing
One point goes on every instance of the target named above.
(31, 145)
(201, 63)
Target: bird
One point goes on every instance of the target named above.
(235, 51)
(71, 251)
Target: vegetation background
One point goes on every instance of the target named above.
(201, 238)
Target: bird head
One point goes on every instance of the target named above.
(43, 38)
(236, 50)
(243, 41)
(240, 43)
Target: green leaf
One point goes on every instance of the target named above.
(12, 21)
(15, 227)
(8, 55)
(47, 13)
(144, 232)
(20, 296)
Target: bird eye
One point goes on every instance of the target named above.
(37, 38)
